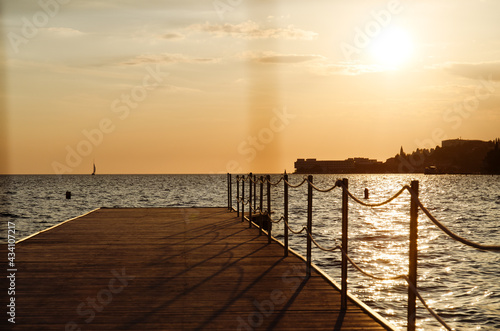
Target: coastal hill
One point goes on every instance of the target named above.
(454, 156)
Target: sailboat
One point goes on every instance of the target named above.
(93, 172)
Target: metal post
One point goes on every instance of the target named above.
(412, 307)
(269, 225)
(261, 192)
(243, 198)
(345, 206)
(254, 192)
(309, 223)
(229, 191)
(237, 196)
(250, 202)
(285, 212)
(260, 208)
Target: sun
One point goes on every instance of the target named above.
(392, 48)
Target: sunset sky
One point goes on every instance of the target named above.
(216, 86)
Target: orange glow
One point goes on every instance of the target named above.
(199, 92)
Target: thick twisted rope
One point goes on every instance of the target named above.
(428, 214)
(448, 231)
(274, 184)
(247, 202)
(295, 186)
(369, 274)
(276, 222)
(257, 180)
(322, 190)
(296, 232)
(254, 209)
(309, 235)
(372, 204)
(410, 284)
(321, 247)
(429, 309)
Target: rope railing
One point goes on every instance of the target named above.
(256, 210)
(369, 274)
(429, 309)
(448, 231)
(276, 222)
(415, 204)
(274, 184)
(374, 204)
(255, 180)
(292, 230)
(413, 288)
(357, 267)
(440, 225)
(321, 247)
(296, 186)
(308, 233)
(322, 190)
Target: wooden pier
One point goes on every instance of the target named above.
(172, 269)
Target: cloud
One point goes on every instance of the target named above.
(172, 36)
(64, 32)
(325, 68)
(474, 70)
(166, 58)
(179, 90)
(315, 63)
(289, 58)
(252, 30)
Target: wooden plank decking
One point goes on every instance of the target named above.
(170, 269)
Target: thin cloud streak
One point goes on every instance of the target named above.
(166, 58)
(474, 70)
(252, 30)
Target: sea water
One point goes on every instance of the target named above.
(460, 283)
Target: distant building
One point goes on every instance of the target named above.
(351, 165)
(463, 142)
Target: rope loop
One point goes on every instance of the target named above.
(410, 284)
(295, 186)
(293, 231)
(256, 210)
(274, 184)
(257, 180)
(448, 231)
(369, 274)
(322, 190)
(276, 222)
(339, 182)
(319, 246)
(429, 309)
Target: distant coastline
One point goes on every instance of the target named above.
(454, 156)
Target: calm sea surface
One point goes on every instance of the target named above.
(461, 283)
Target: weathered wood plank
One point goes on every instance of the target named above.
(170, 269)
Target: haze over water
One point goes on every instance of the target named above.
(459, 282)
